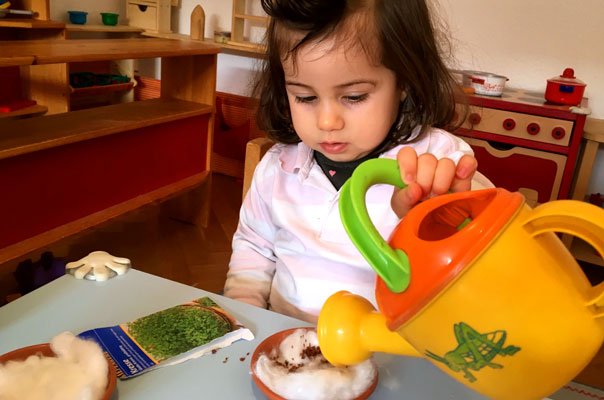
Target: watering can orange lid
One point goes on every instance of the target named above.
(437, 251)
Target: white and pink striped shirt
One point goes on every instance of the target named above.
(290, 250)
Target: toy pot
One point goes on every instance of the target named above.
(477, 283)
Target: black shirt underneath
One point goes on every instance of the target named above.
(338, 172)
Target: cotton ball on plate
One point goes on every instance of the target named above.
(78, 372)
(297, 370)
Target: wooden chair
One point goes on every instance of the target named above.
(254, 150)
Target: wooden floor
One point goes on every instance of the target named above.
(157, 244)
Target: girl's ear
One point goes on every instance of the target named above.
(403, 95)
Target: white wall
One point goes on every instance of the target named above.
(528, 42)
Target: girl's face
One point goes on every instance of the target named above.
(341, 104)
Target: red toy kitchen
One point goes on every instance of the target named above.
(524, 143)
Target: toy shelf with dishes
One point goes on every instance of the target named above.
(245, 22)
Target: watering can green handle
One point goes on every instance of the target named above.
(392, 265)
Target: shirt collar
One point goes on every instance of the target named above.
(296, 159)
(299, 159)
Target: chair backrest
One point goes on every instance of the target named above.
(254, 150)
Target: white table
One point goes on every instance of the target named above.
(77, 305)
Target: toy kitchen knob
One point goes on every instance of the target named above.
(558, 132)
(533, 128)
(474, 118)
(477, 283)
(509, 124)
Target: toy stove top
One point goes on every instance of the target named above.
(527, 101)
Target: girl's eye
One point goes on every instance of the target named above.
(356, 99)
(305, 99)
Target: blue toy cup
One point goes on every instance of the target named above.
(77, 17)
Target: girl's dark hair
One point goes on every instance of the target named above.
(398, 34)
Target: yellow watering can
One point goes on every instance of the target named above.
(477, 283)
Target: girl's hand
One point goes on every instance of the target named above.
(426, 177)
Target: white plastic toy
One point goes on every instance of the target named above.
(98, 266)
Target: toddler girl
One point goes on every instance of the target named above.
(344, 81)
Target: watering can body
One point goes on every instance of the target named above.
(500, 304)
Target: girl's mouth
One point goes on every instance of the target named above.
(333, 148)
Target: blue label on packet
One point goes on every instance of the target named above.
(128, 358)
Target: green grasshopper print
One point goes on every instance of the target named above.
(474, 350)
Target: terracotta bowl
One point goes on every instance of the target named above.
(45, 350)
(273, 341)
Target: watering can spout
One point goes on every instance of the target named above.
(350, 330)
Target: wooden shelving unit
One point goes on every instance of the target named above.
(66, 172)
(240, 18)
(47, 78)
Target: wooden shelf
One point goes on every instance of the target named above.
(102, 28)
(237, 49)
(251, 17)
(33, 134)
(14, 61)
(28, 23)
(101, 89)
(171, 36)
(27, 111)
(66, 51)
(240, 49)
(119, 157)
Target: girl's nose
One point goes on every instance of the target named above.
(329, 119)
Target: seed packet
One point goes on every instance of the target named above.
(168, 337)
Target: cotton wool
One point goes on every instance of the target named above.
(296, 370)
(78, 372)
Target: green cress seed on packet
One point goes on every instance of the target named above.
(168, 337)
